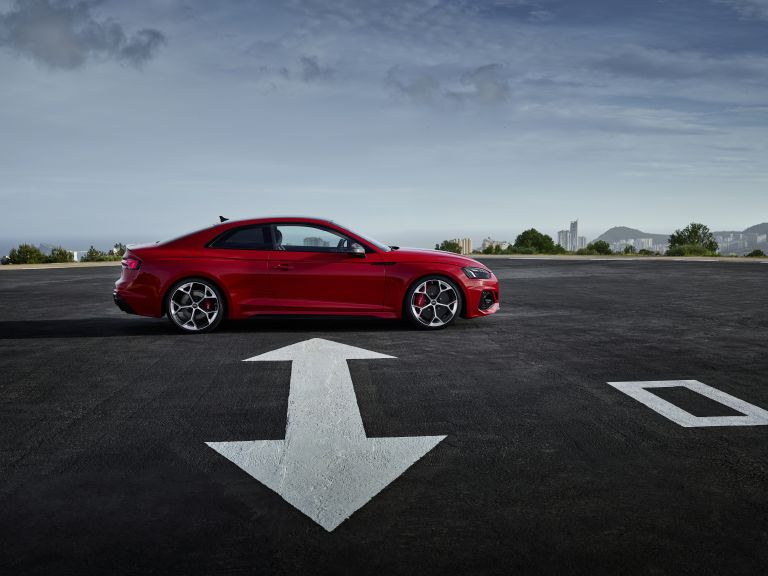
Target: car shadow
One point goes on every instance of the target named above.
(106, 327)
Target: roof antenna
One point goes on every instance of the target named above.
(222, 219)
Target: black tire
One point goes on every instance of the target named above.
(200, 311)
(440, 304)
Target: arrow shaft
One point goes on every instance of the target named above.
(322, 405)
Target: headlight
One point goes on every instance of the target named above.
(477, 273)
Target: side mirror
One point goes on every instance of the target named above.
(357, 250)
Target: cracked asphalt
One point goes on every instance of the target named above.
(545, 468)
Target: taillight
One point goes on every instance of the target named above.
(131, 263)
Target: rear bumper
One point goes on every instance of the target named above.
(122, 304)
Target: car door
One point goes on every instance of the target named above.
(313, 271)
(240, 258)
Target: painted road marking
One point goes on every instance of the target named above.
(326, 466)
(753, 416)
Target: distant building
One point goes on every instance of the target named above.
(581, 243)
(564, 239)
(77, 255)
(465, 243)
(315, 241)
(491, 243)
(573, 236)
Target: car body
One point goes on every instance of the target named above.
(298, 266)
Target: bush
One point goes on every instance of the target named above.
(646, 252)
(26, 254)
(59, 254)
(534, 239)
(449, 246)
(689, 250)
(515, 250)
(694, 234)
(586, 251)
(629, 250)
(756, 254)
(94, 255)
(600, 247)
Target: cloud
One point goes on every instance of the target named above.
(421, 88)
(481, 85)
(749, 9)
(486, 84)
(312, 71)
(654, 64)
(64, 34)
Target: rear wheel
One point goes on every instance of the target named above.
(433, 303)
(195, 306)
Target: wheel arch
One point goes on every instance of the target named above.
(196, 276)
(439, 274)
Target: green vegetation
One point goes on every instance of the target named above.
(629, 250)
(532, 239)
(29, 254)
(756, 254)
(94, 255)
(59, 254)
(26, 254)
(449, 246)
(693, 240)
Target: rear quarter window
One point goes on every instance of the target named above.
(248, 238)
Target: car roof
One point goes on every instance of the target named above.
(263, 220)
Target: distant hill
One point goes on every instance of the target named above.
(619, 233)
(757, 229)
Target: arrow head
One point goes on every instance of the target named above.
(325, 484)
(317, 347)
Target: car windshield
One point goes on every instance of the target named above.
(379, 245)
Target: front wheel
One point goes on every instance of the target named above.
(432, 303)
(195, 305)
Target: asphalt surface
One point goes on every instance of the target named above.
(545, 469)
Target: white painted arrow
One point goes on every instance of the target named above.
(326, 466)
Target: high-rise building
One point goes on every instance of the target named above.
(582, 242)
(564, 239)
(574, 236)
(466, 245)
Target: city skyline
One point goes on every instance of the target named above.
(150, 119)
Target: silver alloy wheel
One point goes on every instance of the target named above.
(434, 302)
(194, 306)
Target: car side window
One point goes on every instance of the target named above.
(248, 238)
(298, 238)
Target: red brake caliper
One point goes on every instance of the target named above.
(419, 300)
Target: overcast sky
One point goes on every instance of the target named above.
(404, 120)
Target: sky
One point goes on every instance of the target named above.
(408, 121)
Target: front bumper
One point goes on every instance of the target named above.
(483, 297)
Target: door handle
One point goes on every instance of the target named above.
(282, 267)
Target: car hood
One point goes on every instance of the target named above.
(424, 255)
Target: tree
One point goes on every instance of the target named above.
(26, 254)
(450, 246)
(534, 239)
(693, 240)
(94, 255)
(59, 254)
(119, 250)
(600, 247)
(756, 254)
(629, 249)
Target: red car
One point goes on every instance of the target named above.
(298, 266)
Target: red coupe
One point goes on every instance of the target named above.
(298, 266)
